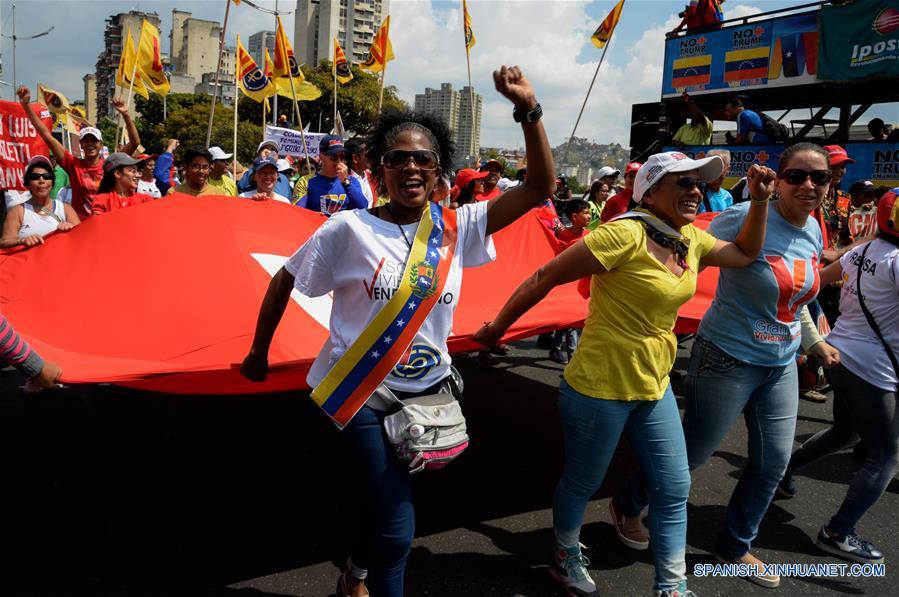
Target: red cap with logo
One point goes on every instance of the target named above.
(466, 175)
(838, 155)
(632, 167)
(888, 213)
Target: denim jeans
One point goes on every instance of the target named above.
(718, 389)
(565, 339)
(385, 524)
(592, 428)
(872, 416)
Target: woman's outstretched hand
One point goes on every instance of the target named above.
(515, 87)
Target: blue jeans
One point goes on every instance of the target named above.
(565, 339)
(860, 409)
(385, 524)
(718, 389)
(592, 428)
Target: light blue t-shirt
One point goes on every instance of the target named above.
(719, 201)
(753, 317)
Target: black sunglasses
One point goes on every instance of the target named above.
(797, 176)
(425, 159)
(688, 183)
(37, 175)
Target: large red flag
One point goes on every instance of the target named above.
(134, 299)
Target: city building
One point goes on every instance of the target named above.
(453, 108)
(226, 87)
(108, 61)
(90, 96)
(194, 46)
(352, 22)
(181, 83)
(258, 43)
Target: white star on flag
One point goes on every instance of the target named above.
(434, 241)
(375, 354)
(412, 305)
(387, 339)
(432, 254)
(400, 323)
(789, 54)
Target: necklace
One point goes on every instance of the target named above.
(400, 226)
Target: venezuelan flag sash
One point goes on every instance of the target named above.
(377, 350)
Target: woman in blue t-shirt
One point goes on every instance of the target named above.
(743, 359)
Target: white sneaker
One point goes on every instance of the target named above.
(570, 569)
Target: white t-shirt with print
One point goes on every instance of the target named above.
(254, 192)
(361, 258)
(860, 350)
(148, 187)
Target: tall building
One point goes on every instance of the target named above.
(226, 88)
(468, 132)
(195, 46)
(453, 108)
(259, 42)
(352, 22)
(108, 61)
(90, 96)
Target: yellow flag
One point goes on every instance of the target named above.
(603, 33)
(253, 81)
(149, 60)
(470, 39)
(381, 51)
(54, 100)
(285, 63)
(340, 67)
(126, 68)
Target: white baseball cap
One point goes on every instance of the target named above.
(660, 164)
(219, 154)
(284, 165)
(89, 130)
(607, 171)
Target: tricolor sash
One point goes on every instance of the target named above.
(381, 345)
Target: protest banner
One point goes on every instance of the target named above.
(19, 142)
(862, 40)
(291, 141)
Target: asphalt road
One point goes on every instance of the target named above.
(108, 492)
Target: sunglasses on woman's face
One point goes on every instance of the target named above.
(425, 159)
(796, 176)
(37, 176)
(688, 183)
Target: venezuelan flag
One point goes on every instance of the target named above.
(740, 65)
(692, 71)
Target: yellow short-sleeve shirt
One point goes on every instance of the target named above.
(627, 348)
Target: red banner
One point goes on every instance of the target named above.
(19, 142)
(164, 296)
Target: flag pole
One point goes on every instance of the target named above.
(128, 104)
(334, 68)
(470, 93)
(218, 69)
(589, 89)
(236, 100)
(381, 94)
(296, 106)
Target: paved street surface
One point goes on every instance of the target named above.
(116, 493)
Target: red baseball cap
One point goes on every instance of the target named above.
(838, 155)
(466, 175)
(888, 213)
(632, 167)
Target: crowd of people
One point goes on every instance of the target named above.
(793, 248)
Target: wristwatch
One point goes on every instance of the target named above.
(532, 115)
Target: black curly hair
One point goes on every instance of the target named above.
(393, 122)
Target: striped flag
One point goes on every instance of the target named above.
(340, 65)
(253, 82)
(470, 39)
(381, 51)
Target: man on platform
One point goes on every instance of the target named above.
(698, 131)
(333, 189)
(85, 172)
(750, 127)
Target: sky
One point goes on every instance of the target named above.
(550, 40)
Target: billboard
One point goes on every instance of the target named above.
(862, 40)
(771, 53)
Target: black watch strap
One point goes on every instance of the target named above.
(532, 115)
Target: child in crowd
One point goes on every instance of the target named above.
(578, 213)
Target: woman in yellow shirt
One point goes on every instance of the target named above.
(644, 266)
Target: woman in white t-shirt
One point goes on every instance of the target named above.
(265, 176)
(864, 383)
(29, 222)
(411, 152)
